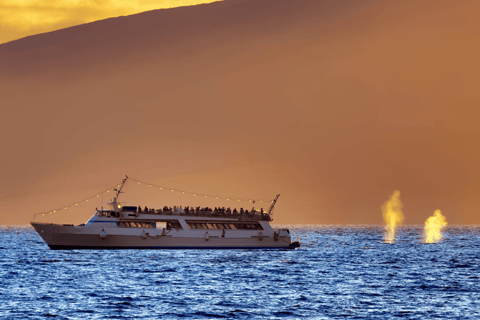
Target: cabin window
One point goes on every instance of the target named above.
(101, 213)
(131, 224)
(150, 225)
(160, 225)
(174, 225)
(194, 225)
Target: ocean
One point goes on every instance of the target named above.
(339, 272)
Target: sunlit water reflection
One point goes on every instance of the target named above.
(340, 271)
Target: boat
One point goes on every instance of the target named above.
(130, 227)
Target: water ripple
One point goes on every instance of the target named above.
(340, 271)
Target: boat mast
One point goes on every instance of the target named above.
(273, 205)
(114, 202)
(120, 190)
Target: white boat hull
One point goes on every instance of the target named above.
(101, 237)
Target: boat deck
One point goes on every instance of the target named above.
(211, 214)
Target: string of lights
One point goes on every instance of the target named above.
(200, 194)
(155, 186)
(76, 203)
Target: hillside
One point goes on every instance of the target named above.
(333, 104)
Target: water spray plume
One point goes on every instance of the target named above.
(393, 216)
(434, 226)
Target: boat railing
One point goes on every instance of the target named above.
(210, 213)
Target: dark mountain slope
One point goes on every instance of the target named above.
(333, 104)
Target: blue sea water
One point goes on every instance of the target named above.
(339, 272)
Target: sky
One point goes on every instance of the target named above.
(21, 18)
(334, 105)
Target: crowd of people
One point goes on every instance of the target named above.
(200, 211)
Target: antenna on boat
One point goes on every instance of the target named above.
(120, 190)
(114, 202)
(270, 211)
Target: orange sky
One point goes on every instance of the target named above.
(21, 18)
(332, 104)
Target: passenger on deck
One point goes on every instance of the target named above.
(235, 211)
(146, 209)
(139, 210)
(229, 211)
(241, 211)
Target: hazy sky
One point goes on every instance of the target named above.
(21, 18)
(332, 104)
